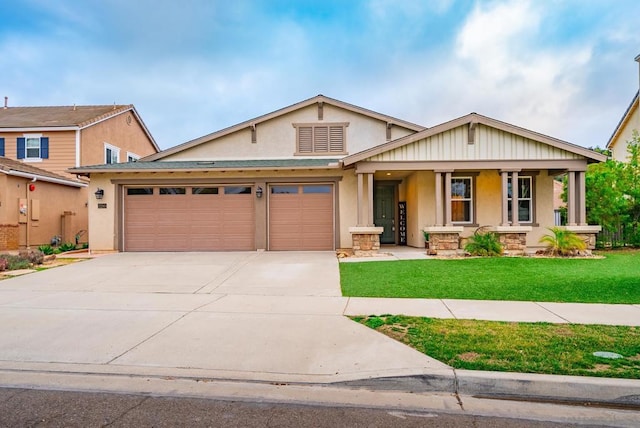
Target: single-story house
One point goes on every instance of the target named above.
(323, 174)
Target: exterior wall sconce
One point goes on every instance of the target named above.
(259, 192)
(99, 193)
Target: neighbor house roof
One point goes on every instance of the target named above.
(476, 119)
(257, 164)
(625, 118)
(20, 169)
(280, 112)
(64, 117)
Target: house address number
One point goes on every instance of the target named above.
(102, 205)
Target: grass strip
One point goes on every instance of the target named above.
(613, 279)
(561, 349)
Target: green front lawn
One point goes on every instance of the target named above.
(613, 279)
(518, 347)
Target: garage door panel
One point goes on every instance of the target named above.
(302, 220)
(197, 220)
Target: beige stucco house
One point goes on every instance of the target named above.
(39, 198)
(323, 174)
(623, 132)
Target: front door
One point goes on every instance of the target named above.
(384, 211)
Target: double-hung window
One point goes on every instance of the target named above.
(525, 200)
(111, 154)
(32, 147)
(462, 200)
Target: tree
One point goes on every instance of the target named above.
(613, 193)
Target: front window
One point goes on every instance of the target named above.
(461, 200)
(32, 147)
(525, 200)
(111, 154)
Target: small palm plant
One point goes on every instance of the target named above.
(483, 243)
(563, 242)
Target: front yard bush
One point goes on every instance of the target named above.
(483, 243)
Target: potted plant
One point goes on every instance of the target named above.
(426, 239)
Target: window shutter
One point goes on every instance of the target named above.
(1, 146)
(321, 139)
(44, 147)
(21, 149)
(336, 139)
(305, 139)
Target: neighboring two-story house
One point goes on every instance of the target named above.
(39, 199)
(323, 174)
(629, 123)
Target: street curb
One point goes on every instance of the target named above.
(521, 386)
(550, 387)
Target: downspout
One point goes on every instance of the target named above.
(28, 224)
(77, 148)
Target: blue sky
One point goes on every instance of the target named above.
(191, 67)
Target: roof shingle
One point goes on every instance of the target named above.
(57, 116)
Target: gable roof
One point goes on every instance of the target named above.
(65, 117)
(281, 112)
(625, 118)
(474, 118)
(20, 169)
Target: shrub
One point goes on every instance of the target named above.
(47, 250)
(483, 243)
(15, 262)
(35, 257)
(67, 246)
(563, 242)
(3, 264)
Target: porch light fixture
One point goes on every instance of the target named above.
(99, 193)
(259, 192)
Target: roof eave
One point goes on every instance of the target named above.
(623, 121)
(83, 171)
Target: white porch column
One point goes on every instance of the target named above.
(438, 191)
(447, 199)
(505, 197)
(571, 199)
(582, 203)
(514, 199)
(370, 199)
(360, 201)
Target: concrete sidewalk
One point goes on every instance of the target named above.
(260, 317)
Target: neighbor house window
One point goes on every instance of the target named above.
(462, 199)
(321, 139)
(33, 147)
(525, 199)
(111, 154)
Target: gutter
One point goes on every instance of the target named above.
(44, 178)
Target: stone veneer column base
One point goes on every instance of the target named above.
(444, 240)
(587, 233)
(512, 238)
(365, 240)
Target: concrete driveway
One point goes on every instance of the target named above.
(272, 316)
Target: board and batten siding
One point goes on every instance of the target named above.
(490, 144)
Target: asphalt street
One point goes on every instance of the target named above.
(31, 408)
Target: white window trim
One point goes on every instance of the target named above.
(27, 158)
(132, 155)
(530, 199)
(471, 199)
(114, 149)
